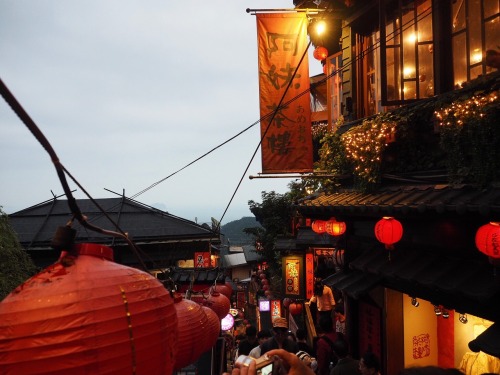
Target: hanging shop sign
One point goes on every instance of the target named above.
(293, 276)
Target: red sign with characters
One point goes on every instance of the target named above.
(202, 260)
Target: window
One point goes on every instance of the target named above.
(475, 30)
(407, 45)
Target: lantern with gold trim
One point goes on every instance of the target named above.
(86, 314)
(191, 319)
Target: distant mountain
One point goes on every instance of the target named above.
(233, 231)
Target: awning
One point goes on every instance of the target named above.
(488, 341)
(353, 283)
(468, 287)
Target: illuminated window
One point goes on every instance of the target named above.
(407, 43)
(475, 30)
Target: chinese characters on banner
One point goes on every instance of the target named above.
(286, 141)
(293, 276)
(309, 276)
(369, 329)
(202, 260)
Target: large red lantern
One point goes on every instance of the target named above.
(219, 303)
(488, 240)
(334, 227)
(287, 302)
(225, 289)
(191, 319)
(319, 226)
(213, 327)
(320, 53)
(388, 231)
(86, 314)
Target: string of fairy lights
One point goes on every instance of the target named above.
(458, 112)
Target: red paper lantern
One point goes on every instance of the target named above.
(262, 275)
(334, 227)
(319, 226)
(295, 308)
(287, 302)
(213, 329)
(225, 289)
(191, 319)
(86, 314)
(320, 53)
(388, 231)
(264, 282)
(488, 240)
(219, 303)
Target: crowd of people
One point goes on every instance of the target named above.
(330, 354)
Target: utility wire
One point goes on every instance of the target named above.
(282, 105)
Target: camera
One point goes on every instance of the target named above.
(263, 365)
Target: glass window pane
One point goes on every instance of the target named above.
(392, 69)
(476, 71)
(491, 7)
(424, 21)
(492, 34)
(458, 15)
(410, 90)
(474, 28)
(459, 60)
(425, 71)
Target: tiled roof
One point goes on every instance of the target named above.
(462, 199)
(36, 226)
(438, 278)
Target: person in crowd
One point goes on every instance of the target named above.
(323, 297)
(307, 359)
(302, 342)
(279, 339)
(249, 342)
(324, 346)
(369, 364)
(339, 318)
(346, 365)
(262, 336)
(291, 364)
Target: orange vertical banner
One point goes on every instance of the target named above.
(286, 141)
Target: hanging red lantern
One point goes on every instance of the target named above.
(191, 319)
(488, 240)
(319, 226)
(320, 53)
(213, 328)
(287, 302)
(264, 282)
(262, 275)
(225, 289)
(334, 227)
(69, 318)
(295, 308)
(219, 303)
(268, 293)
(388, 231)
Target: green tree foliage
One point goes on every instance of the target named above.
(275, 215)
(17, 266)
